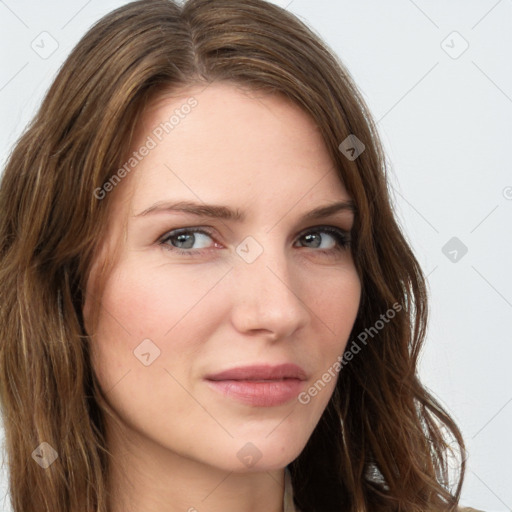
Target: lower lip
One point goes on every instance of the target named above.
(258, 393)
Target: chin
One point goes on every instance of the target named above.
(263, 452)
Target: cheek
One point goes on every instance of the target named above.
(337, 304)
(335, 311)
(336, 307)
(157, 315)
(156, 303)
(154, 299)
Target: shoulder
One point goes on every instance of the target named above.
(468, 509)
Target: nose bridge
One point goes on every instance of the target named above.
(266, 296)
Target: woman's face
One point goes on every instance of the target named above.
(223, 266)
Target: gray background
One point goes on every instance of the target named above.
(444, 112)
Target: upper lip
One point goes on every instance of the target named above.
(261, 372)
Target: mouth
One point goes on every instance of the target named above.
(260, 385)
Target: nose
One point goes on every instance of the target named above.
(267, 296)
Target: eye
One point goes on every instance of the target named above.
(326, 238)
(187, 240)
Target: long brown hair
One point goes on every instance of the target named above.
(382, 443)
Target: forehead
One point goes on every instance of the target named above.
(220, 142)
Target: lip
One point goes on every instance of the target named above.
(261, 372)
(260, 385)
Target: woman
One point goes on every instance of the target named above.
(206, 301)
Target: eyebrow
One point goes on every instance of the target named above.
(225, 213)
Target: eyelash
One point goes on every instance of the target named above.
(341, 237)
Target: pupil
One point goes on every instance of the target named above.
(310, 236)
(182, 239)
